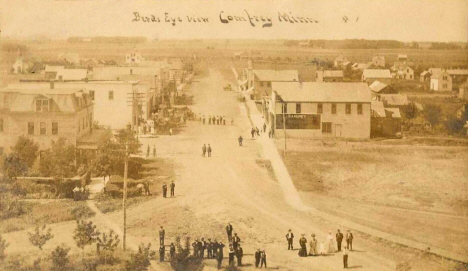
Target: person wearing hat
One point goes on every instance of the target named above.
(162, 251)
(258, 256)
(209, 247)
(303, 244)
(235, 241)
(220, 254)
(313, 246)
(232, 253)
(263, 259)
(345, 257)
(162, 233)
(172, 251)
(290, 239)
(239, 255)
(349, 240)
(339, 239)
(164, 188)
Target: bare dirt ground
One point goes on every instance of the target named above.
(233, 186)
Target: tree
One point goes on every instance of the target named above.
(27, 150)
(432, 114)
(140, 261)
(12, 166)
(3, 246)
(107, 244)
(85, 234)
(59, 258)
(59, 160)
(183, 261)
(40, 236)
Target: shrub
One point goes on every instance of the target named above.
(40, 236)
(106, 246)
(82, 212)
(85, 234)
(10, 207)
(60, 258)
(183, 260)
(27, 150)
(140, 261)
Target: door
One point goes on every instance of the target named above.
(337, 130)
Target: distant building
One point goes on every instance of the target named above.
(441, 81)
(425, 76)
(385, 122)
(260, 81)
(404, 72)
(329, 76)
(340, 61)
(371, 75)
(320, 110)
(378, 61)
(133, 57)
(361, 66)
(402, 57)
(50, 72)
(44, 114)
(378, 87)
(463, 91)
(71, 74)
(18, 66)
(393, 100)
(72, 58)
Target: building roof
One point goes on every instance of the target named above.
(394, 99)
(332, 73)
(395, 112)
(49, 68)
(376, 73)
(377, 86)
(437, 73)
(378, 58)
(424, 73)
(402, 56)
(457, 72)
(72, 74)
(341, 57)
(378, 108)
(277, 75)
(60, 100)
(322, 92)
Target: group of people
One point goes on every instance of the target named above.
(80, 193)
(214, 120)
(164, 189)
(149, 149)
(325, 248)
(206, 150)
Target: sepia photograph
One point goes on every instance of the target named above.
(235, 135)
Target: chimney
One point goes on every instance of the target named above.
(52, 84)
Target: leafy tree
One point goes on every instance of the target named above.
(59, 160)
(85, 234)
(59, 258)
(140, 261)
(183, 260)
(432, 114)
(13, 166)
(454, 125)
(40, 236)
(3, 246)
(107, 244)
(27, 150)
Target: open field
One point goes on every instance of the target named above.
(410, 190)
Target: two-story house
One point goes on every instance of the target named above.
(441, 81)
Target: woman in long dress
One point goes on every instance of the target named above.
(303, 244)
(323, 251)
(313, 246)
(330, 243)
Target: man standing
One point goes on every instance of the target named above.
(232, 253)
(220, 254)
(164, 188)
(172, 251)
(264, 127)
(339, 239)
(258, 256)
(345, 257)
(229, 232)
(349, 240)
(201, 247)
(209, 251)
(203, 150)
(162, 251)
(235, 241)
(263, 259)
(214, 248)
(195, 248)
(172, 188)
(209, 150)
(240, 140)
(239, 255)
(252, 132)
(290, 238)
(147, 151)
(154, 150)
(162, 233)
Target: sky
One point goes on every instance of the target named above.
(403, 20)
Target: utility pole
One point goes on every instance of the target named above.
(124, 201)
(284, 126)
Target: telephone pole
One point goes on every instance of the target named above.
(124, 201)
(284, 126)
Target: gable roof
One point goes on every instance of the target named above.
(376, 73)
(424, 73)
(378, 108)
(394, 112)
(378, 58)
(457, 72)
(332, 73)
(437, 73)
(277, 75)
(322, 92)
(377, 86)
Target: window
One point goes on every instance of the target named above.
(333, 108)
(269, 84)
(359, 109)
(348, 108)
(30, 128)
(42, 106)
(261, 84)
(43, 128)
(298, 108)
(444, 85)
(320, 108)
(326, 127)
(1, 125)
(91, 94)
(284, 108)
(55, 128)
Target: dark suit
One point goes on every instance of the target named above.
(349, 240)
(339, 239)
(229, 232)
(290, 238)
(239, 255)
(162, 233)
(235, 242)
(257, 258)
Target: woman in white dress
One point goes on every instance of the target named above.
(322, 251)
(330, 243)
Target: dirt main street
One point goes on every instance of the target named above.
(234, 186)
